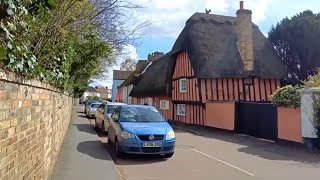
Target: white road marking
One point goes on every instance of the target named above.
(230, 165)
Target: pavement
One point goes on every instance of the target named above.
(202, 154)
(83, 156)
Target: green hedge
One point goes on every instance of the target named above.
(287, 96)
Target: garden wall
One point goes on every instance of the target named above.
(34, 118)
(289, 124)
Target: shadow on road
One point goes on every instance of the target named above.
(88, 128)
(94, 149)
(82, 116)
(257, 147)
(100, 149)
(133, 159)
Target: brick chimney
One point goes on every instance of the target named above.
(244, 33)
(155, 55)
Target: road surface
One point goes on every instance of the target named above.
(213, 154)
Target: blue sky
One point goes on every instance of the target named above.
(168, 17)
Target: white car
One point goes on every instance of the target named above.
(103, 114)
(92, 109)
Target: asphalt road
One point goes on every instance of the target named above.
(212, 154)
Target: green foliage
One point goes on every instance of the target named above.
(313, 81)
(96, 98)
(53, 40)
(296, 41)
(287, 96)
(3, 52)
(316, 112)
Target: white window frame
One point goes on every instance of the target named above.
(164, 104)
(179, 106)
(183, 85)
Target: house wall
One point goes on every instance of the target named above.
(119, 97)
(220, 115)
(129, 98)
(230, 89)
(155, 101)
(124, 91)
(166, 112)
(183, 69)
(195, 114)
(115, 85)
(86, 94)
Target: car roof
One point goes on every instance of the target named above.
(115, 103)
(95, 103)
(138, 106)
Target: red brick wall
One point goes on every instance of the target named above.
(34, 118)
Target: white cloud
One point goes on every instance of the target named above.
(168, 17)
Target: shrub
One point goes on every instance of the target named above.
(287, 96)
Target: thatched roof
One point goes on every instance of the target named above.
(140, 64)
(156, 81)
(211, 43)
(121, 75)
(136, 73)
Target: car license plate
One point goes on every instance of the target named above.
(153, 144)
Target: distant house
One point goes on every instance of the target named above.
(118, 78)
(103, 91)
(91, 91)
(126, 87)
(215, 62)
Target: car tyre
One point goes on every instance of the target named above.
(119, 154)
(95, 123)
(108, 139)
(167, 156)
(102, 128)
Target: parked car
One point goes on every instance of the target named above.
(86, 106)
(140, 129)
(92, 109)
(103, 114)
(82, 101)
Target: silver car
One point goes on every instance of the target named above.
(103, 114)
(92, 109)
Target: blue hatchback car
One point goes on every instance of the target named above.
(140, 129)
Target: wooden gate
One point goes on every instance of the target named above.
(256, 119)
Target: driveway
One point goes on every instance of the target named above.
(205, 155)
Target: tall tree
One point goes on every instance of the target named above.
(128, 64)
(296, 41)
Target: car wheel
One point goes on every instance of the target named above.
(102, 128)
(108, 139)
(119, 154)
(168, 155)
(95, 123)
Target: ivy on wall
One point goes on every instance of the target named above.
(52, 40)
(316, 112)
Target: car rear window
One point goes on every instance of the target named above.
(95, 105)
(140, 114)
(111, 108)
